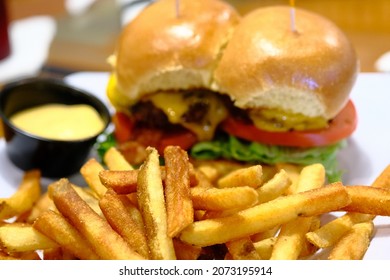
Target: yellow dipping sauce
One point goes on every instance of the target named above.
(60, 122)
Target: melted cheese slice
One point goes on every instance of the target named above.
(176, 104)
(278, 120)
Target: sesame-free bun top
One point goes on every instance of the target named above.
(164, 48)
(266, 64)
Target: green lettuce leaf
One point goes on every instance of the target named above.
(230, 147)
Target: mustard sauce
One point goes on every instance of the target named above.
(60, 122)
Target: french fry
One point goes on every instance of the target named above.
(186, 251)
(90, 172)
(293, 172)
(242, 249)
(308, 248)
(26, 255)
(216, 199)
(265, 234)
(125, 219)
(115, 160)
(369, 200)
(43, 204)
(180, 212)
(311, 177)
(58, 253)
(248, 176)
(360, 235)
(107, 243)
(125, 181)
(257, 218)
(6, 257)
(383, 180)
(24, 198)
(151, 202)
(21, 237)
(291, 239)
(211, 173)
(330, 233)
(264, 247)
(354, 244)
(88, 198)
(57, 228)
(274, 187)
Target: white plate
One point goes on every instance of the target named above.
(367, 154)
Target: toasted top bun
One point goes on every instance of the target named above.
(163, 48)
(266, 64)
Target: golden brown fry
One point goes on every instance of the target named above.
(265, 234)
(308, 248)
(186, 251)
(43, 204)
(330, 233)
(257, 218)
(291, 239)
(90, 172)
(264, 247)
(354, 244)
(383, 180)
(311, 177)
(27, 255)
(274, 187)
(210, 172)
(58, 253)
(248, 176)
(18, 237)
(222, 166)
(88, 198)
(25, 196)
(6, 257)
(369, 200)
(57, 228)
(180, 212)
(360, 236)
(242, 249)
(152, 206)
(115, 160)
(123, 182)
(104, 240)
(293, 172)
(223, 199)
(125, 219)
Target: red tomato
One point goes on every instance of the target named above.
(125, 130)
(339, 128)
(123, 127)
(184, 139)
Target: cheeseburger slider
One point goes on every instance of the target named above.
(249, 89)
(290, 90)
(162, 74)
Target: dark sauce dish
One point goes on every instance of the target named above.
(54, 158)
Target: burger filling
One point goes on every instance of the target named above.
(198, 110)
(271, 119)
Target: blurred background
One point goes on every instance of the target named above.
(58, 37)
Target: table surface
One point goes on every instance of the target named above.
(81, 44)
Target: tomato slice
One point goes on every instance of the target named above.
(125, 130)
(183, 139)
(123, 127)
(342, 126)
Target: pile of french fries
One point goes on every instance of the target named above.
(182, 210)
